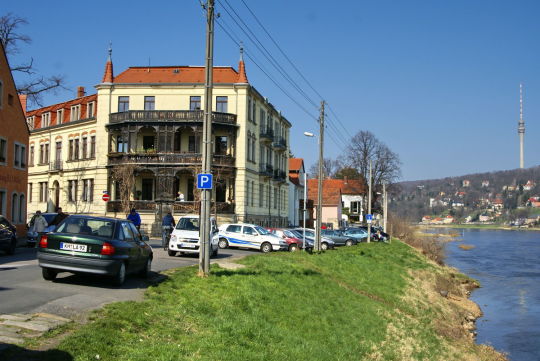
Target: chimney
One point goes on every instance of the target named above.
(345, 179)
(80, 92)
(22, 99)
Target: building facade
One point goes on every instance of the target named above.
(297, 185)
(143, 147)
(13, 149)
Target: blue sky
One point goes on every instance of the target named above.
(436, 80)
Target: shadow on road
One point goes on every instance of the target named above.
(90, 280)
(21, 254)
(17, 353)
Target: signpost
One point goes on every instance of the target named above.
(204, 181)
(369, 218)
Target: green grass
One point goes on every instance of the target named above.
(341, 305)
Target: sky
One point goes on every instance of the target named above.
(437, 81)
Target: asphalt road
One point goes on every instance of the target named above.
(23, 290)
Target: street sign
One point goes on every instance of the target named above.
(369, 218)
(106, 197)
(204, 181)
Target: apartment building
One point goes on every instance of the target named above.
(148, 121)
(13, 149)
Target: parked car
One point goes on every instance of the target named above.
(8, 236)
(357, 233)
(185, 236)
(249, 236)
(95, 245)
(326, 243)
(33, 237)
(339, 238)
(294, 243)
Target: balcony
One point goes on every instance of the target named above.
(279, 175)
(279, 143)
(56, 166)
(267, 135)
(170, 159)
(266, 170)
(179, 207)
(173, 116)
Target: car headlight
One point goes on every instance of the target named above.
(173, 238)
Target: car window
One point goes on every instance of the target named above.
(310, 233)
(234, 228)
(250, 230)
(289, 234)
(126, 232)
(261, 230)
(135, 231)
(87, 226)
(188, 224)
(49, 217)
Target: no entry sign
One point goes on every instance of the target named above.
(106, 197)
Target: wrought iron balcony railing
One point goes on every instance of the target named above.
(56, 165)
(168, 158)
(170, 116)
(267, 134)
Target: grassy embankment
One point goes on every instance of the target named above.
(368, 302)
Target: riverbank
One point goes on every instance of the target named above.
(480, 226)
(368, 302)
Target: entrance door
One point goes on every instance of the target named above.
(147, 189)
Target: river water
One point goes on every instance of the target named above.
(507, 264)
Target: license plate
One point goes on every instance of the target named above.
(73, 247)
(188, 245)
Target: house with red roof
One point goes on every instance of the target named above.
(297, 174)
(151, 118)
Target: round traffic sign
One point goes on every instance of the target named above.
(106, 197)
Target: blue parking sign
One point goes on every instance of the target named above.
(204, 181)
(369, 218)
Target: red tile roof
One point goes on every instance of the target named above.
(295, 164)
(65, 105)
(332, 189)
(175, 74)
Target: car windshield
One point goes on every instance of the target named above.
(261, 230)
(87, 226)
(49, 217)
(289, 234)
(188, 224)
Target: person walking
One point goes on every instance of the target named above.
(134, 217)
(38, 223)
(167, 226)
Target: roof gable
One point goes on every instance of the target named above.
(175, 74)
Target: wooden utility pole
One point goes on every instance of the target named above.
(369, 205)
(317, 245)
(206, 195)
(385, 208)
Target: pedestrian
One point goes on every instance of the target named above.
(167, 226)
(38, 223)
(134, 217)
(58, 218)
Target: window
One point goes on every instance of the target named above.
(19, 157)
(2, 201)
(70, 150)
(30, 122)
(252, 193)
(31, 160)
(262, 117)
(93, 146)
(90, 108)
(194, 144)
(84, 148)
(221, 104)
(29, 192)
(76, 150)
(249, 109)
(58, 154)
(3, 151)
(75, 112)
(250, 231)
(88, 190)
(149, 103)
(22, 209)
(43, 154)
(123, 104)
(221, 145)
(121, 145)
(43, 190)
(72, 190)
(15, 208)
(195, 103)
(234, 228)
(261, 195)
(59, 116)
(254, 112)
(275, 198)
(355, 207)
(10, 99)
(45, 119)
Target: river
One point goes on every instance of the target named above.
(507, 264)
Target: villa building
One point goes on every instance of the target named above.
(143, 128)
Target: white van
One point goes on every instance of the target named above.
(250, 236)
(185, 236)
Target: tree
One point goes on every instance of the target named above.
(34, 86)
(124, 175)
(330, 167)
(349, 172)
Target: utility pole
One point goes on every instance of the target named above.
(317, 245)
(369, 205)
(305, 211)
(385, 207)
(205, 229)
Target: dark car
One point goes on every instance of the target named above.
(96, 245)
(358, 233)
(8, 236)
(33, 237)
(326, 243)
(339, 238)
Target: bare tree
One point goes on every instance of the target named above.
(34, 85)
(124, 175)
(330, 167)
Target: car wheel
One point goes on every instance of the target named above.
(324, 246)
(171, 253)
(145, 272)
(266, 247)
(349, 243)
(120, 276)
(214, 252)
(49, 274)
(12, 246)
(223, 243)
(293, 247)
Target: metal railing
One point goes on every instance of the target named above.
(168, 158)
(267, 134)
(279, 142)
(170, 116)
(179, 207)
(266, 169)
(56, 166)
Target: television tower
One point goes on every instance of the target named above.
(521, 127)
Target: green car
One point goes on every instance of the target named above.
(95, 245)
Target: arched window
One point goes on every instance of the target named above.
(15, 208)
(22, 209)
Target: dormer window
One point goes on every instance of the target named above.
(91, 109)
(30, 122)
(45, 119)
(75, 112)
(59, 116)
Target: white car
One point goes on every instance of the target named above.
(185, 236)
(249, 236)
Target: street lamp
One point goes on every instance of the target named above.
(307, 134)
(317, 245)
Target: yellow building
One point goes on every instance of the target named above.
(147, 121)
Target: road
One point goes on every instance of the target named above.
(23, 290)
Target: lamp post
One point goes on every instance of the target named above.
(317, 244)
